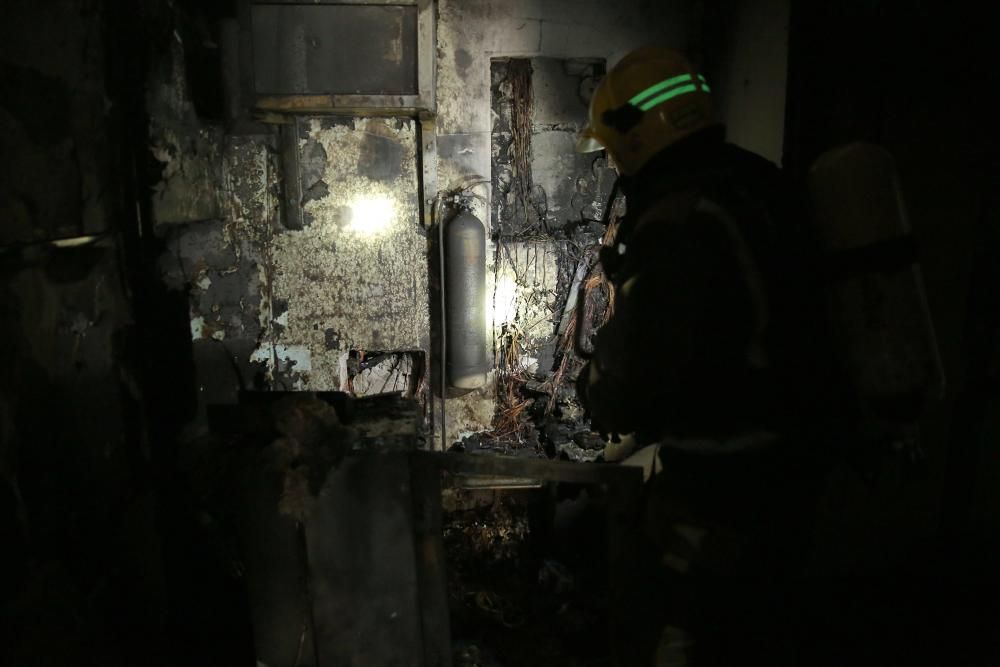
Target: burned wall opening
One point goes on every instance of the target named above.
(545, 227)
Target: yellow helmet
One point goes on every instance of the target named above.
(652, 98)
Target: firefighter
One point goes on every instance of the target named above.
(715, 354)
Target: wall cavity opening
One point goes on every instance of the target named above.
(545, 228)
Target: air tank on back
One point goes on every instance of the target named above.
(879, 305)
(465, 301)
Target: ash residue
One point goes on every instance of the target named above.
(522, 444)
(514, 598)
(481, 530)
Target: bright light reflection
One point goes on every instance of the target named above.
(371, 215)
(504, 308)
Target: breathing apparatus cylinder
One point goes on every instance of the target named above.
(879, 307)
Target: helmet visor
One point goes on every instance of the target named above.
(586, 143)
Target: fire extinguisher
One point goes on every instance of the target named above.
(464, 285)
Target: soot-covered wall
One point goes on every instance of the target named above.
(285, 289)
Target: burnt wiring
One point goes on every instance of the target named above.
(597, 165)
(588, 314)
(521, 220)
(522, 104)
(581, 300)
(511, 342)
(515, 338)
(510, 377)
(509, 348)
(522, 206)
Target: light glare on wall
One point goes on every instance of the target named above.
(371, 215)
(504, 307)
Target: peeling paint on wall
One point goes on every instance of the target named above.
(292, 302)
(359, 269)
(284, 357)
(197, 327)
(225, 265)
(188, 189)
(191, 153)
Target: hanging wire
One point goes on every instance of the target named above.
(581, 297)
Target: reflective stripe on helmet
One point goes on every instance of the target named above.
(669, 95)
(667, 90)
(658, 87)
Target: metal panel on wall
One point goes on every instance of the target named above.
(347, 49)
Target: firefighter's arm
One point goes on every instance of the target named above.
(667, 319)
